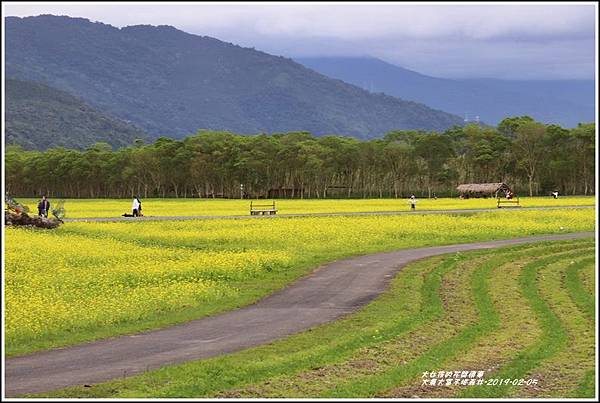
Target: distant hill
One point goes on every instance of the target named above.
(40, 117)
(173, 83)
(566, 102)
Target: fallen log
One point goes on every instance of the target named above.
(24, 219)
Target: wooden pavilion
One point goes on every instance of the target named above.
(484, 190)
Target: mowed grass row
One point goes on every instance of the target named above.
(87, 281)
(490, 310)
(89, 208)
(567, 369)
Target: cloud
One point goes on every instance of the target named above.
(343, 20)
(422, 36)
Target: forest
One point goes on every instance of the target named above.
(533, 158)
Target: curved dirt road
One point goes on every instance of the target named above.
(326, 294)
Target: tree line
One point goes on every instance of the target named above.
(531, 157)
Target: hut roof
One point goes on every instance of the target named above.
(482, 187)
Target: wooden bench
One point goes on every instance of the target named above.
(262, 209)
(510, 202)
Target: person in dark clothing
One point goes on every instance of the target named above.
(139, 206)
(43, 207)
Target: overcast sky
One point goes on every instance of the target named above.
(510, 40)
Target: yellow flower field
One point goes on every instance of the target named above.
(80, 208)
(89, 280)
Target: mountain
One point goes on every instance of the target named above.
(173, 83)
(565, 102)
(39, 117)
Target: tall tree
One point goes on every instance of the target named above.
(509, 126)
(529, 149)
(435, 150)
(584, 136)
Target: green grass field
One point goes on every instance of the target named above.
(524, 312)
(88, 208)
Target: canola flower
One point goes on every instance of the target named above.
(87, 275)
(89, 208)
(57, 281)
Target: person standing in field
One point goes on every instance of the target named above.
(135, 207)
(43, 207)
(413, 202)
(139, 206)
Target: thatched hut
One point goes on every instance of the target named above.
(483, 189)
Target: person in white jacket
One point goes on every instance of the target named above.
(135, 206)
(413, 202)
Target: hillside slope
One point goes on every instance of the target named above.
(40, 117)
(565, 102)
(173, 83)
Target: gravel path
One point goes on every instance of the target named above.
(331, 291)
(214, 217)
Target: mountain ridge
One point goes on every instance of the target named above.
(173, 83)
(565, 102)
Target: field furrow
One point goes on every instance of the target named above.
(562, 373)
(516, 330)
(587, 276)
(552, 341)
(439, 355)
(579, 282)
